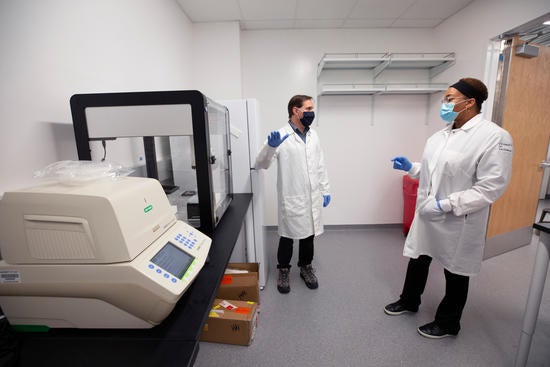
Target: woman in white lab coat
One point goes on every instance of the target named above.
(464, 169)
(302, 187)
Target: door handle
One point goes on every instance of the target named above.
(545, 164)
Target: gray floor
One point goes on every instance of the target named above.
(342, 323)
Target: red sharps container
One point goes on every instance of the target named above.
(410, 187)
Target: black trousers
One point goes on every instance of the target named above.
(450, 309)
(284, 252)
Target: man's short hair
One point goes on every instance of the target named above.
(297, 101)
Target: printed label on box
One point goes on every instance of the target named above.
(227, 279)
(216, 313)
(243, 310)
(227, 305)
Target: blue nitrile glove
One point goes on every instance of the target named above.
(274, 139)
(326, 200)
(402, 163)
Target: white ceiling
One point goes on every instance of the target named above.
(314, 14)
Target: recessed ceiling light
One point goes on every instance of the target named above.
(547, 22)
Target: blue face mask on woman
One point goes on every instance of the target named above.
(308, 118)
(447, 112)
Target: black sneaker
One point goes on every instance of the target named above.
(397, 308)
(306, 273)
(435, 331)
(283, 283)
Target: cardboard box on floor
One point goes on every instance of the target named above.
(231, 322)
(242, 287)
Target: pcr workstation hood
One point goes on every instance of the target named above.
(180, 138)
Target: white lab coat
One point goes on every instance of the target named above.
(302, 181)
(471, 167)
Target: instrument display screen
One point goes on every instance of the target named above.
(173, 259)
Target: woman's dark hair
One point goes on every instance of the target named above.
(474, 88)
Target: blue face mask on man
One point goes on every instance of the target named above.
(308, 117)
(447, 112)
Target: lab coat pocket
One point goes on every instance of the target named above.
(294, 206)
(421, 204)
(429, 213)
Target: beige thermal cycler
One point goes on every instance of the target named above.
(107, 254)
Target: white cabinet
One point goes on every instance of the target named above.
(246, 142)
(376, 64)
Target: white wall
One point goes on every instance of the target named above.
(53, 49)
(365, 189)
(468, 32)
(471, 31)
(279, 64)
(217, 59)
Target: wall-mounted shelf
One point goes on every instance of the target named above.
(382, 88)
(435, 63)
(413, 74)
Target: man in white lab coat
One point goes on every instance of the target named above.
(302, 187)
(465, 167)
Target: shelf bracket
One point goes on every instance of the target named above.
(440, 68)
(381, 67)
(320, 67)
